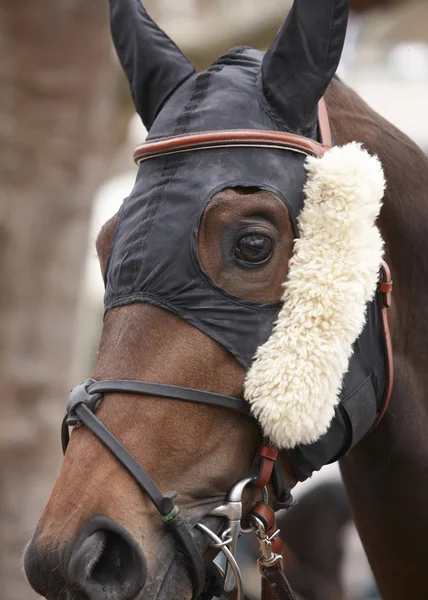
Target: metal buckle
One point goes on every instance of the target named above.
(268, 558)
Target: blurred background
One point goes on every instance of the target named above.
(67, 131)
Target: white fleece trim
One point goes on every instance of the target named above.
(295, 380)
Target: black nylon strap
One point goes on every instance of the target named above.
(170, 391)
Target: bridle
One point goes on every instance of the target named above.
(83, 402)
(87, 396)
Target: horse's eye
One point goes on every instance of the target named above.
(254, 248)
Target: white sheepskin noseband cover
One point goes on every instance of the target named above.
(295, 380)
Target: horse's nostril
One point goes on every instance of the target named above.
(115, 554)
(106, 562)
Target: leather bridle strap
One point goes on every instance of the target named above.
(84, 400)
(324, 125)
(170, 391)
(247, 138)
(275, 585)
(252, 138)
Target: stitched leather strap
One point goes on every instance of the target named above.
(267, 516)
(233, 137)
(275, 585)
(266, 457)
(239, 137)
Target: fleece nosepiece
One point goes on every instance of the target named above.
(296, 377)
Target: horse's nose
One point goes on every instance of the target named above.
(105, 561)
(102, 563)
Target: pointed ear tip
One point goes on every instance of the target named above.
(302, 60)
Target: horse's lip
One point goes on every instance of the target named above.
(157, 585)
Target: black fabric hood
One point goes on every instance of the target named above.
(154, 255)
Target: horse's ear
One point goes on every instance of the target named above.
(153, 64)
(302, 60)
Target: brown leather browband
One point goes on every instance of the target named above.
(220, 139)
(252, 138)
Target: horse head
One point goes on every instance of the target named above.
(194, 265)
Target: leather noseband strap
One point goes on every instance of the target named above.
(170, 391)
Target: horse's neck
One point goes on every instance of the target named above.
(404, 217)
(385, 474)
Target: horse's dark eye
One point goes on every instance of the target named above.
(254, 248)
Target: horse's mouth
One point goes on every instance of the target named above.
(169, 576)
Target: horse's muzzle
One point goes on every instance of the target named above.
(104, 561)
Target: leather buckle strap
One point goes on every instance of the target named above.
(266, 458)
(270, 471)
(265, 514)
(385, 285)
